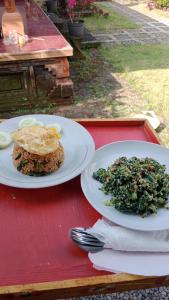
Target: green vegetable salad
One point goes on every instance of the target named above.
(137, 186)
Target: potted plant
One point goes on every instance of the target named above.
(51, 6)
(75, 25)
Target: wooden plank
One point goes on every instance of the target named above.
(43, 54)
(118, 121)
(15, 66)
(80, 287)
(151, 130)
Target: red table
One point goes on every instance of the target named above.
(40, 68)
(37, 256)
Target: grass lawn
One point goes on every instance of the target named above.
(146, 70)
(123, 81)
(98, 23)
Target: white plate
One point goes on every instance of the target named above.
(78, 146)
(103, 158)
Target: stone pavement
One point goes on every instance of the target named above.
(150, 31)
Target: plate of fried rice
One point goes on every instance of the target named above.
(39, 156)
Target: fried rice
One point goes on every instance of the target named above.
(37, 165)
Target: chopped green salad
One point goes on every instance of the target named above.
(137, 186)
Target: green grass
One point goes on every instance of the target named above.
(137, 58)
(97, 23)
(146, 70)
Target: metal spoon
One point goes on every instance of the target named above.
(85, 240)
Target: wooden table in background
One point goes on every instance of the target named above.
(37, 73)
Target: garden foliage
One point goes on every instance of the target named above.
(74, 6)
(162, 3)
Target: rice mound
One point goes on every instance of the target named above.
(37, 165)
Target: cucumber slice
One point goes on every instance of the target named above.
(5, 139)
(27, 122)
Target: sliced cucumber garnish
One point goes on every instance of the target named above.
(5, 139)
(27, 122)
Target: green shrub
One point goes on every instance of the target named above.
(162, 3)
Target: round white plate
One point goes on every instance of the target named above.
(103, 158)
(78, 146)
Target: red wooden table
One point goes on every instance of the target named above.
(40, 68)
(45, 40)
(37, 257)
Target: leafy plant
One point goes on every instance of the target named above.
(74, 6)
(162, 3)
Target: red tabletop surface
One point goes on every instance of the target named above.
(42, 33)
(34, 224)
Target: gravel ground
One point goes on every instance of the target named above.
(148, 294)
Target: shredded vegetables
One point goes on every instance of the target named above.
(137, 186)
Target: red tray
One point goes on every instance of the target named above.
(34, 224)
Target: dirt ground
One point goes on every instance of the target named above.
(98, 91)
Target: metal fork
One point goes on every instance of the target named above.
(85, 240)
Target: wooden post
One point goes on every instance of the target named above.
(12, 19)
(10, 6)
